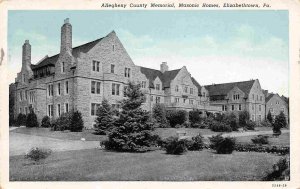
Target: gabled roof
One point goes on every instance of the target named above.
(223, 88)
(50, 61)
(165, 77)
(270, 95)
(197, 85)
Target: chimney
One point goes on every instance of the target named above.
(66, 37)
(26, 55)
(164, 67)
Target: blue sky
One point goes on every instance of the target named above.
(216, 46)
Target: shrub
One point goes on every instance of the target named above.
(207, 122)
(250, 125)
(31, 120)
(37, 154)
(194, 117)
(281, 171)
(270, 117)
(280, 122)
(104, 120)
(231, 120)
(76, 122)
(175, 146)
(186, 124)
(265, 123)
(46, 122)
(196, 143)
(220, 127)
(219, 117)
(260, 139)
(175, 117)
(283, 150)
(62, 123)
(244, 117)
(222, 145)
(21, 120)
(132, 130)
(159, 114)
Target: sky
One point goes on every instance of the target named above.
(215, 46)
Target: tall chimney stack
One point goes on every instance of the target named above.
(26, 55)
(66, 37)
(164, 67)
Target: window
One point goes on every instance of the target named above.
(203, 94)
(191, 90)
(257, 97)
(50, 110)
(236, 96)
(151, 98)
(124, 91)
(94, 108)
(260, 98)
(127, 72)
(26, 110)
(157, 99)
(96, 66)
(21, 96)
(259, 117)
(58, 89)
(184, 100)
(31, 96)
(63, 67)
(66, 107)
(143, 84)
(185, 89)
(66, 87)
(176, 88)
(191, 101)
(253, 106)
(157, 86)
(58, 110)
(176, 100)
(259, 108)
(277, 102)
(95, 87)
(50, 90)
(115, 89)
(26, 94)
(253, 118)
(113, 47)
(20, 110)
(253, 96)
(112, 68)
(224, 108)
(232, 107)
(240, 107)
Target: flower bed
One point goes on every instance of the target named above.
(282, 150)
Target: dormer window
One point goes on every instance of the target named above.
(157, 87)
(236, 96)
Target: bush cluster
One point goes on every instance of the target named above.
(222, 145)
(281, 171)
(220, 127)
(68, 121)
(196, 143)
(31, 119)
(37, 154)
(46, 122)
(21, 120)
(159, 114)
(175, 146)
(195, 118)
(175, 117)
(260, 139)
(283, 150)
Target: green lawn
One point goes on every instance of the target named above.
(100, 165)
(283, 139)
(167, 132)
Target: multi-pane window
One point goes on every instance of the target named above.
(176, 100)
(94, 108)
(259, 107)
(277, 102)
(96, 66)
(191, 101)
(157, 86)
(191, 90)
(232, 107)
(58, 110)
(31, 96)
(62, 67)
(157, 99)
(26, 93)
(21, 95)
(240, 107)
(58, 89)
(224, 108)
(115, 89)
(112, 68)
(176, 88)
(143, 84)
(50, 90)
(185, 89)
(66, 107)
(95, 87)
(50, 110)
(66, 87)
(127, 72)
(236, 96)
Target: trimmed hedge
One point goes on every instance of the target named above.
(260, 139)
(220, 127)
(283, 150)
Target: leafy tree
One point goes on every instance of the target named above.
(244, 117)
(31, 120)
(280, 122)
(46, 122)
(175, 117)
(132, 130)
(104, 120)
(159, 114)
(76, 122)
(21, 120)
(231, 120)
(269, 117)
(194, 117)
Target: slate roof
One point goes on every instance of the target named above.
(50, 61)
(195, 82)
(165, 77)
(223, 88)
(270, 95)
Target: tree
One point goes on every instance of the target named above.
(31, 119)
(243, 118)
(231, 120)
(76, 122)
(159, 114)
(132, 130)
(104, 120)
(194, 117)
(280, 122)
(269, 117)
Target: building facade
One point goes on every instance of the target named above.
(276, 104)
(79, 78)
(239, 96)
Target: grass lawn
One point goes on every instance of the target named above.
(87, 134)
(167, 132)
(283, 139)
(100, 165)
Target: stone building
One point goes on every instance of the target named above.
(79, 78)
(239, 96)
(276, 104)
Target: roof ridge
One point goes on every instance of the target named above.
(231, 82)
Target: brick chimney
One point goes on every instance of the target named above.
(26, 55)
(164, 67)
(66, 37)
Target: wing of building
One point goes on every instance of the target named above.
(276, 104)
(79, 78)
